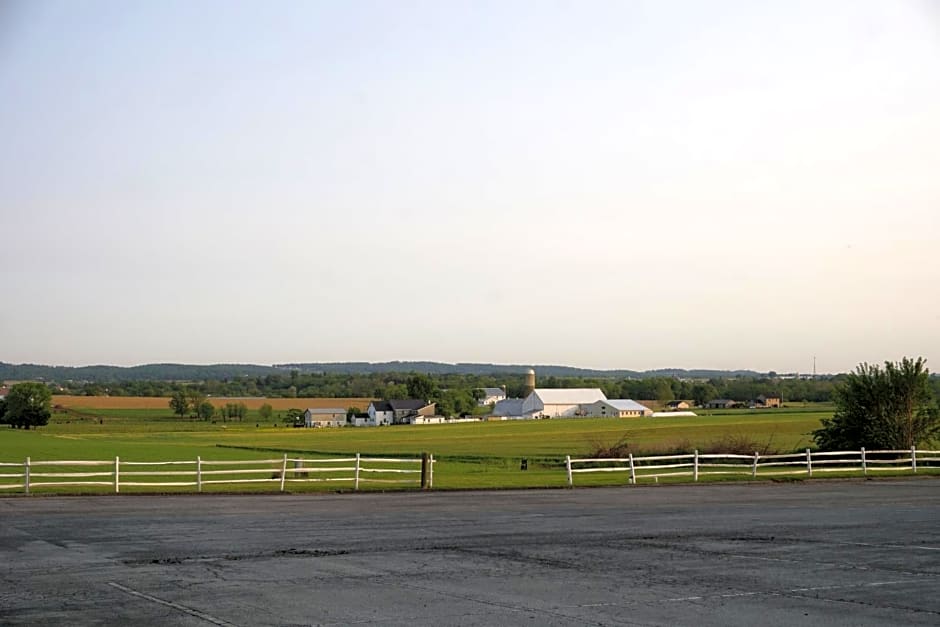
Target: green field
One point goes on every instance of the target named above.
(469, 455)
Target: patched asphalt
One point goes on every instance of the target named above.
(805, 553)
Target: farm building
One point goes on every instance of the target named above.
(618, 408)
(677, 405)
(325, 417)
(767, 401)
(399, 411)
(721, 403)
(509, 408)
(560, 402)
(491, 396)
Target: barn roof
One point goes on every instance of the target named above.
(508, 407)
(569, 396)
(626, 404)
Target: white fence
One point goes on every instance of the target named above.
(697, 465)
(32, 475)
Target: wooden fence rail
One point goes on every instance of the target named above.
(31, 475)
(696, 465)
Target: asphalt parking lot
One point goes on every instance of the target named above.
(808, 553)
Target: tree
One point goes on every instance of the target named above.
(28, 405)
(422, 387)
(890, 408)
(196, 398)
(266, 411)
(179, 403)
(205, 410)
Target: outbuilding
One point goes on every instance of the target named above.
(325, 417)
(618, 408)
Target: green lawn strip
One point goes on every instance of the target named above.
(469, 455)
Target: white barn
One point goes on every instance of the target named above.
(560, 402)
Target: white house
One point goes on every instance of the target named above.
(618, 408)
(397, 412)
(560, 402)
(380, 413)
(491, 396)
(325, 417)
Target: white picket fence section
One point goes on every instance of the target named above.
(697, 465)
(357, 470)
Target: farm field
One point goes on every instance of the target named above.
(161, 403)
(470, 455)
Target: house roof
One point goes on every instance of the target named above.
(325, 410)
(381, 405)
(407, 404)
(569, 396)
(626, 404)
(508, 407)
(493, 392)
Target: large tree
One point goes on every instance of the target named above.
(179, 403)
(882, 408)
(28, 405)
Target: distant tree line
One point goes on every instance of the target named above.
(454, 388)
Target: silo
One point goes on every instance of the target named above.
(529, 381)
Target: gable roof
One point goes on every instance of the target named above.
(569, 396)
(381, 405)
(508, 407)
(316, 411)
(493, 392)
(626, 404)
(407, 404)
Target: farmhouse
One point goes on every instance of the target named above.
(399, 412)
(618, 408)
(325, 417)
(491, 396)
(767, 401)
(677, 405)
(561, 402)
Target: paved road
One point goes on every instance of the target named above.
(834, 553)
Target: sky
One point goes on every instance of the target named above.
(600, 184)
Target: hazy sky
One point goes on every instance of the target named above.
(600, 184)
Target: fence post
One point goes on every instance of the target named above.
(117, 474)
(26, 475)
(632, 470)
(283, 471)
(356, 485)
(914, 458)
(864, 462)
(754, 467)
(430, 471)
(695, 467)
(424, 471)
(809, 463)
(568, 468)
(198, 473)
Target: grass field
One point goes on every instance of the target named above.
(483, 454)
(92, 403)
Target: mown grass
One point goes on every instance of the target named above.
(470, 455)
